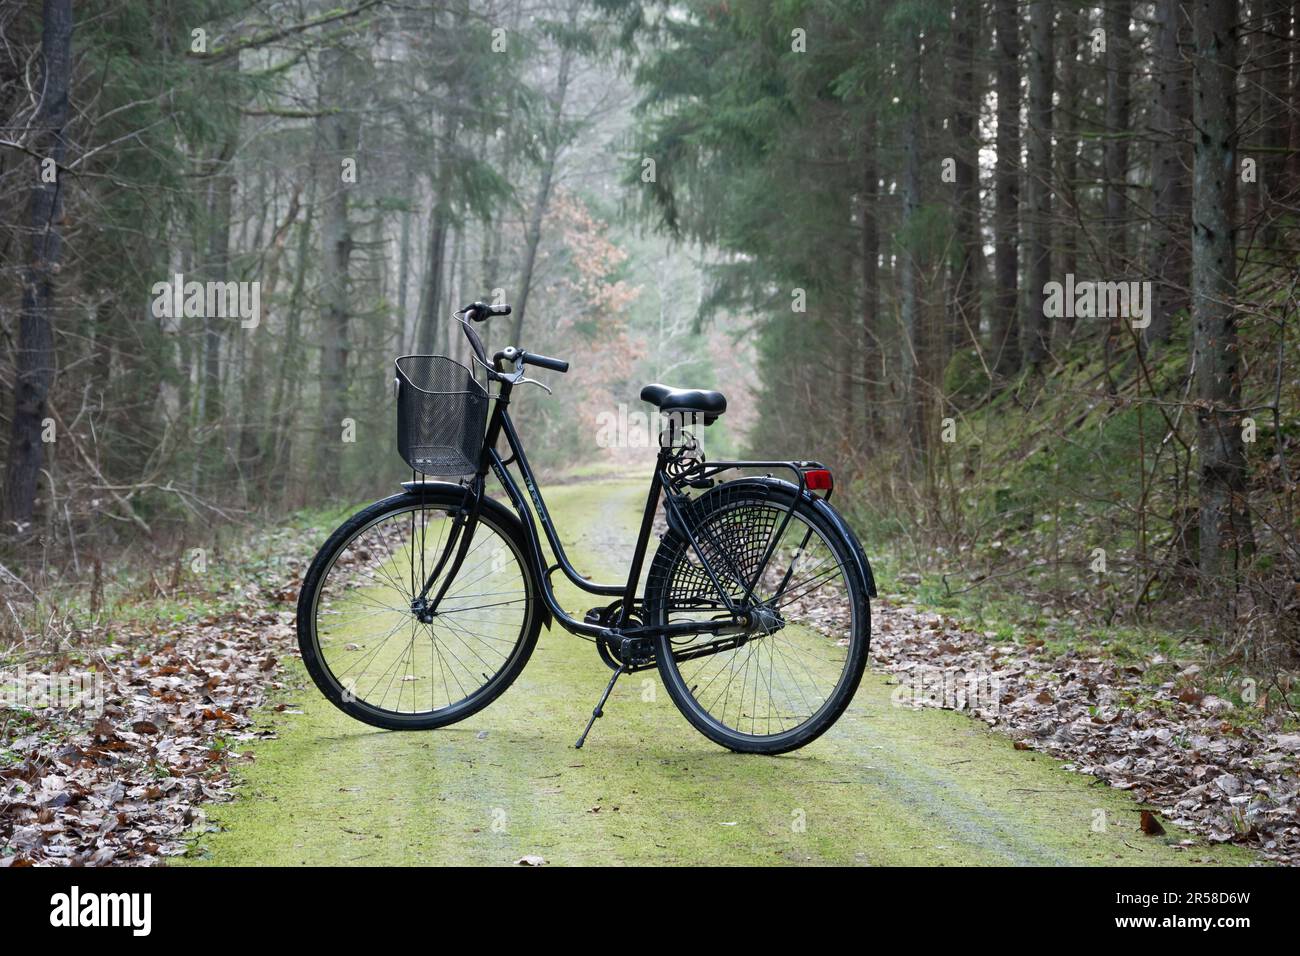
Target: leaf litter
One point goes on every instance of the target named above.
(1171, 746)
(126, 786)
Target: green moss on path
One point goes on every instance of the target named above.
(887, 785)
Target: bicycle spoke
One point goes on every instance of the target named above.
(767, 683)
(372, 642)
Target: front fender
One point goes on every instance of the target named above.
(452, 493)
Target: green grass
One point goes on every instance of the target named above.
(887, 785)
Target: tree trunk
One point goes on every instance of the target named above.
(916, 347)
(1170, 268)
(1274, 76)
(432, 324)
(1293, 160)
(1119, 16)
(1004, 322)
(338, 132)
(454, 291)
(1225, 532)
(220, 192)
(254, 447)
(184, 347)
(34, 359)
(434, 271)
(1068, 153)
(1039, 248)
(284, 411)
(252, 354)
(964, 324)
(870, 260)
(404, 277)
(555, 136)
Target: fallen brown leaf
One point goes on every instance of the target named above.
(1150, 825)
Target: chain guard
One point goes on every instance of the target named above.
(610, 648)
(608, 653)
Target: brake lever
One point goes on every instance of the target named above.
(532, 381)
(516, 377)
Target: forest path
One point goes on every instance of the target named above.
(887, 785)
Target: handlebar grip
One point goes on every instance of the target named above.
(480, 311)
(544, 361)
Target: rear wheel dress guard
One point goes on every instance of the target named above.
(678, 521)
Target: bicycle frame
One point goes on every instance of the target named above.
(500, 424)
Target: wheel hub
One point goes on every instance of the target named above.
(764, 620)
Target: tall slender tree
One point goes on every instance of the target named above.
(1225, 529)
(1040, 181)
(1119, 66)
(1293, 95)
(1273, 82)
(916, 345)
(1170, 264)
(1004, 321)
(34, 366)
(339, 130)
(964, 323)
(1067, 149)
(555, 136)
(869, 257)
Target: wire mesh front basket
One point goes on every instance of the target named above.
(441, 415)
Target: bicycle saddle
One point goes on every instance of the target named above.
(669, 399)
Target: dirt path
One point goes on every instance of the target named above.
(887, 785)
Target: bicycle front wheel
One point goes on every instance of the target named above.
(789, 678)
(373, 657)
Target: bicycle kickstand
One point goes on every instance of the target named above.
(600, 706)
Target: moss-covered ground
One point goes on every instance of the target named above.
(887, 785)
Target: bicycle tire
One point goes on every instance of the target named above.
(666, 574)
(442, 499)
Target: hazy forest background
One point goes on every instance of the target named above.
(842, 213)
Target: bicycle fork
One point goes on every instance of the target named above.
(459, 540)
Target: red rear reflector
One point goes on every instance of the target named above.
(819, 479)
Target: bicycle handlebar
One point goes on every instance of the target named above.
(544, 361)
(481, 311)
(512, 354)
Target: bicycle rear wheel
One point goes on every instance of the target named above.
(789, 679)
(372, 656)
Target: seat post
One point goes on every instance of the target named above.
(672, 431)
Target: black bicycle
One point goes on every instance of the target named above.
(424, 607)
